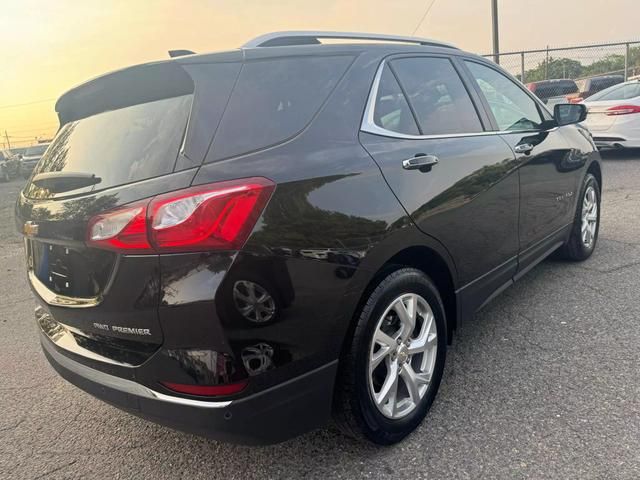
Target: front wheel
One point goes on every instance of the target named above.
(391, 373)
(586, 225)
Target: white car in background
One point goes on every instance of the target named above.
(613, 116)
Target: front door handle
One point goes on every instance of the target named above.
(523, 148)
(420, 161)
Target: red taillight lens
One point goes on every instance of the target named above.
(206, 390)
(217, 216)
(623, 110)
(124, 229)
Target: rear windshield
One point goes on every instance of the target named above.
(119, 146)
(618, 92)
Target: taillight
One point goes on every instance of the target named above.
(206, 390)
(575, 99)
(623, 110)
(124, 229)
(217, 216)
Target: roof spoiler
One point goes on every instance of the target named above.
(180, 53)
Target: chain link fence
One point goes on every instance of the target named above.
(560, 74)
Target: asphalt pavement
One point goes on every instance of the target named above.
(543, 383)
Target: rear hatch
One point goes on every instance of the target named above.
(121, 140)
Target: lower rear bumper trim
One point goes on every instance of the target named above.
(122, 384)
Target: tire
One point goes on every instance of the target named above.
(355, 409)
(576, 248)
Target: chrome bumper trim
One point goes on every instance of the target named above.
(122, 384)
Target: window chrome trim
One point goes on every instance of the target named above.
(369, 125)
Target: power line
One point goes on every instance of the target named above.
(424, 16)
(27, 103)
(52, 126)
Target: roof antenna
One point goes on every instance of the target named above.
(180, 53)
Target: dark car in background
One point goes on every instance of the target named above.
(9, 165)
(31, 157)
(245, 243)
(553, 92)
(592, 85)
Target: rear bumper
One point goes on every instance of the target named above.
(291, 408)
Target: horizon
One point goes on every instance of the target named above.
(49, 48)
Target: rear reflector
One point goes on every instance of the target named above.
(623, 110)
(218, 216)
(206, 390)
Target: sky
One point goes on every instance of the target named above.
(48, 46)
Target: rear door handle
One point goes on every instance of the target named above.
(523, 148)
(420, 161)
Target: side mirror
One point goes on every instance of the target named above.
(569, 113)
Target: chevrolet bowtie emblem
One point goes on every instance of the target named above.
(30, 229)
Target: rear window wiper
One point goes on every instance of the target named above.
(58, 182)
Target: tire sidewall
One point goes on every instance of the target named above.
(375, 422)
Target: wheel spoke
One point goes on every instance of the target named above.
(413, 381)
(407, 315)
(426, 340)
(379, 356)
(422, 345)
(383, 339)
(241, 295)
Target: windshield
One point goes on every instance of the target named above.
(118, 146)
(35, 150)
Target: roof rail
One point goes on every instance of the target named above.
(279, 39)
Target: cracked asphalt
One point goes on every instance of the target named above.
(543, 383)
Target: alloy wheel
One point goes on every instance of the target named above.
(589, 217)
(402, 355)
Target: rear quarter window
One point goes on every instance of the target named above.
(274, 100)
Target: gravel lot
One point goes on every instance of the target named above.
(544, 383)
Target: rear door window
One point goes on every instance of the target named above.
(511, 106)
(119, 146)
(274, 100)
(437, 95)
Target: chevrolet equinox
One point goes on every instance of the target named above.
(247, 243)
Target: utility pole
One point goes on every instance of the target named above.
(496, 35)
(6, 135)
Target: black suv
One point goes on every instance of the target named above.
(241, 244)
